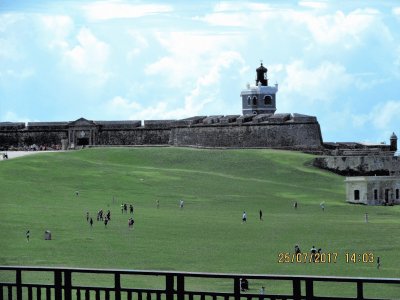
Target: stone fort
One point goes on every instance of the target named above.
(257, 127)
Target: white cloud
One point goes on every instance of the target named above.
(57, 28)
(327, 29)
(126, 109)
(225, 6)
(397, 62)
(89, 56)
(319, 84)
(381, 116)
(11, 116)
(386, 114)
(227, 19)
(339, 27)
(106, 10)
(141, 43)
(205, 91)
(396, 11)
(191, 55)
(9, 49)
(313, 4)
(237, 14)
(123, 104)
(7, 20)
(20, 74)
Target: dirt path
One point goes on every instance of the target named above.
(14, 154)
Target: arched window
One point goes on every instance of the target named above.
(248, 100)
(356, 195)
(254, 100)
(268, 100)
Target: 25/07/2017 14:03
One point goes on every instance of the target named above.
(330, 257)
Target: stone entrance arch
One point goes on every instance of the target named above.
(82, 132)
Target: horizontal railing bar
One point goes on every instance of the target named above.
(35, 285)
(133, 290)
(205, 275)
(343, 298)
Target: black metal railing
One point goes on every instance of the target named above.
(63, 285)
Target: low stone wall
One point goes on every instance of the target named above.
(9, 138)
(159, 124)
(47, 126)
(42, 137)
(139, 136)
(119, 124)
(382, 165)
(7, 126)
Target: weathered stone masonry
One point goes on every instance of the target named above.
(285, 131)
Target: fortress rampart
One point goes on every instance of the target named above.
(287, 131)
(375, 165)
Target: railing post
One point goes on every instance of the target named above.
(309, 289)
(18, 283)
(236, 288)
(67, 285)
(360, 291)
(117, 286)
(58, 284)
(296, 289)
(180, 287)
(169, 287)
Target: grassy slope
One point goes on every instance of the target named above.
(37, 193)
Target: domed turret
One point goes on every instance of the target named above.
(260, 99)
(262, 75)
(393, 142)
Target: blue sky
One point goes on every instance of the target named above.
(136, 60)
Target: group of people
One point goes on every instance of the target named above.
(124, 208)
(313, 251)
(100, 216)
(244, 216)
(244, 286)
(322, 205)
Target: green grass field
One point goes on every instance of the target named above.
(38, 193)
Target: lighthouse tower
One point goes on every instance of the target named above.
(259, 99)
(393, 142)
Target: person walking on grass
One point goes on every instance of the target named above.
(378, 262)
(262, 290)
(244, 217)
(28, 233)
(261, 215)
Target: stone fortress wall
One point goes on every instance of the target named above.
(373, 165)
(285, 131)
